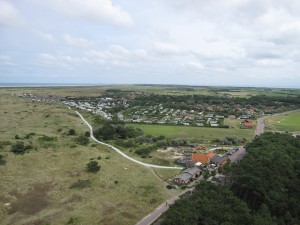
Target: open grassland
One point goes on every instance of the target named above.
(95, 91)
(203, 134)
(37, 183)
(286, 122)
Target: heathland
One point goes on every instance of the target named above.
(49, 184)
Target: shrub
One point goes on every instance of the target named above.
(47, 138)
(93, 166)
(87, 134)
(80, 184)
(18, 147)
(72, 132)
(2, 160)
(82, 140)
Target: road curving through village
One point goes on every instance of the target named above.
(122, 153)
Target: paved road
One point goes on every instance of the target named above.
(238, 155)
(122, 153)
(260, 122)
(260, 126)
(150, 218)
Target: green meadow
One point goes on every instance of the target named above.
(286, 122)
(204, 134)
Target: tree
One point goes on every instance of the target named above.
(93, 167)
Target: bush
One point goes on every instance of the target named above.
(87, 134)
(82, 140)
(93, 166)
(18, 147)
(72, 132)
(81, 184)
(2, 160)
(47, 138)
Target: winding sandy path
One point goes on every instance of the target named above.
(122, 153)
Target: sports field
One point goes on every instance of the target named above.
(286, 122)
(204, 134)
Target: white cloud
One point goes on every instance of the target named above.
(45, 36)
(49, 60)
(9, 14)
(78, 41)
(91, 10)
(272, 62)
(166, 48)
(195, 65)
(6, 60)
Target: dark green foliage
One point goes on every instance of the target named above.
(87, 134)
(2, 160)
(47, 138)
(208, 205)
(82, 140)
(73, 220)
(17, 137)
(81, 184)
(262, 189)
(18, 147)
(110, 130)
(270, 175)
(28, 136)
(72, 132)
(93, 166)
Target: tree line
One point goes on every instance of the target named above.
(261, 189)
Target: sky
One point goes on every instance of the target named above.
(189, 42)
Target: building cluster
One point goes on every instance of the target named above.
(199, 161)
(160, 115)
(39, 98)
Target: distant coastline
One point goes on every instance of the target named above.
(3, 85)
(16, 85)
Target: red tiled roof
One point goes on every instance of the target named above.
(248, 124)
(203, 158)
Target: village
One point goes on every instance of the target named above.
(203, 163)
(155, 114)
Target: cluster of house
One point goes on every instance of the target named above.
(100, 107)
(39, 98)
(210, 160)
(160, 115)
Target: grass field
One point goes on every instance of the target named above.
(203, 134)
(169, 89)
(286, 122)
(37, 183)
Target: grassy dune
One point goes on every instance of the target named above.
(37, 183)
(286, 122)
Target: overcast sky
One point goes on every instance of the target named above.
(194, 42)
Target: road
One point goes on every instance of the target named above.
(238, 155)
(122, 153)
(260, 126)
(260, 122)
(150, 218)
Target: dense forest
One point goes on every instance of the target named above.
(261, 189)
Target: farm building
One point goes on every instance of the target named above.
(187, 175)
(218, 160)
(203, 158)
